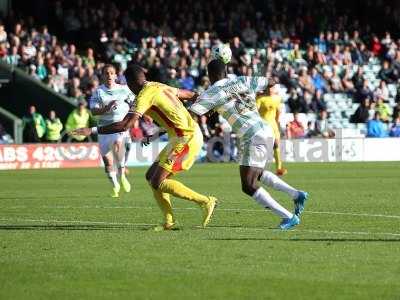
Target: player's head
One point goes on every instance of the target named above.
(109, 74)
(272, 87)
(135, 78)
(216, 70)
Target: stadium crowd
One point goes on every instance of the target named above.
(320, 55)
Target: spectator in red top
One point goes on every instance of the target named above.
(376, 46)
(295, 128)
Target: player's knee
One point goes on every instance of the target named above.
(108, 168)
(155, 182)
(248, 189)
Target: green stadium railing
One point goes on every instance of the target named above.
(16, 124)
(18, 91)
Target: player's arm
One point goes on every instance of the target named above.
(101, 110)
(207, 101)
(255, 83)
(130, 120)
(278, 114)
(186, 95)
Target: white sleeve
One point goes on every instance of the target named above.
(255, 83)
(207, 101)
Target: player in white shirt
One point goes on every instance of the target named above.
(235, 100)
(111, 102)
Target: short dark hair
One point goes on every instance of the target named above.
(108, 66)
(216, 68)
(132, 72)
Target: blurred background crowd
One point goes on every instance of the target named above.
(337, 63)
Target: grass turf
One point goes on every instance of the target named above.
(61, 237)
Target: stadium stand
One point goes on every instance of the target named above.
(319, 66)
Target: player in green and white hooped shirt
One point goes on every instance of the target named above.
(111, 102)
(234, 99)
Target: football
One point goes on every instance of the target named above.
(222, 52)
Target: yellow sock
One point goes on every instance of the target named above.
(178, 189)
(164, 203)
(277, 156)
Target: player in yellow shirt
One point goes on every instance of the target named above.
(269, 108)
(163, 104)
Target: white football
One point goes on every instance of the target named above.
(222, 52)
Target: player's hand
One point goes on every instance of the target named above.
(112, 105)
(81, 131)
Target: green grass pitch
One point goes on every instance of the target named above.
(61, 237)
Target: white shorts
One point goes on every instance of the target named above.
(106, 141)
(257, 151)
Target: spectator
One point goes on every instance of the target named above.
(78, 118)
(34, 126)
(297, 102)
(364, 92)
(386, 73)
(3, 34)
(88, 59)
(5, 138)
(318, 80)
(13, 58)
(383, 109)
(361, 115)
(186, 81)
(322, 126)
(396, 111)
(54, 128)
(382, 91)
(172, 80)
(295, 128)
(395, 130)
(204, 84)
(318, 103)
(375, 127)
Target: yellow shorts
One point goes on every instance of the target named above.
(181, 152)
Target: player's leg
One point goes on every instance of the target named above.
(299, 197)
(249, 179)
(163, 199)
(280, 170)
(277, 151)
(119, 154)
(108, 160)
(111, 173)
(178, 156)
(128, 146)
(254, 156)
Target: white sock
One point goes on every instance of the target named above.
(113, 178)
(264, 198)
(270, 179)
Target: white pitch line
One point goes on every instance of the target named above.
(75, 221)
(235, 228)
(220, 209)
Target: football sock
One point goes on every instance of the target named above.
(121, 172)
(164, 202)
(178, 189)
(270, 179)
(113, 178)
(265, 200)
(277, 156)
